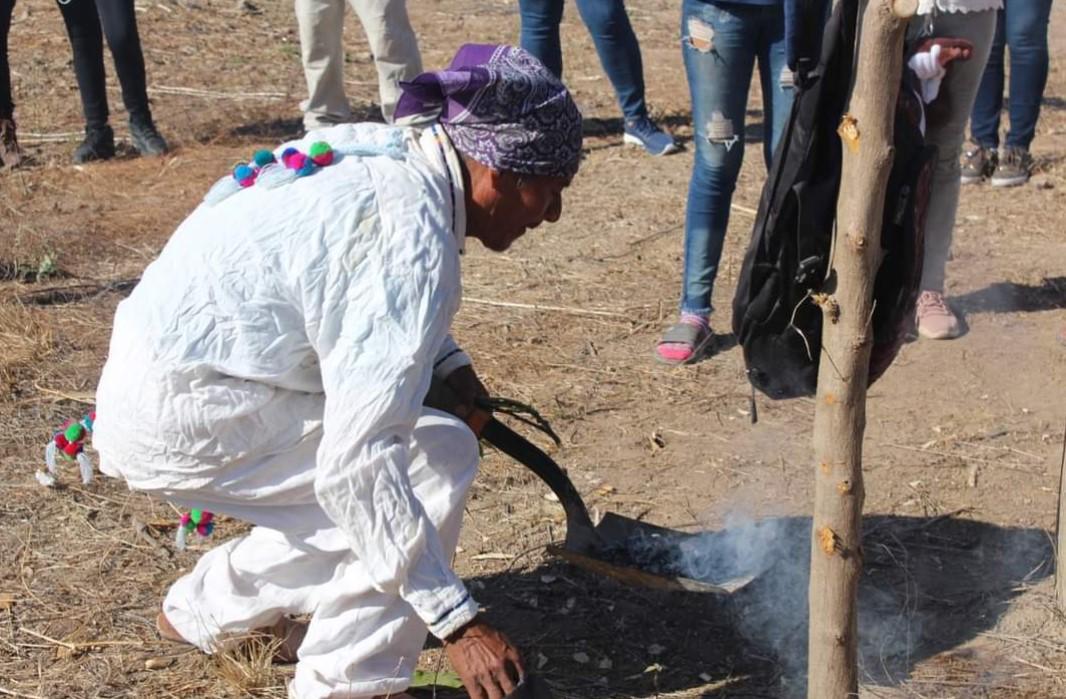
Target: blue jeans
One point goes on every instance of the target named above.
(612, 34)
(720, 42)
(1021, 26)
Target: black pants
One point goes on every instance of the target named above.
(84, 19)
(7, 106)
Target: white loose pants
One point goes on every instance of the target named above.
(392, 41)
(360, 642)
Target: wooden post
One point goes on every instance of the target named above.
(847, 304)
(1060, 533)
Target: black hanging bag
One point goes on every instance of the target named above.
(775, 319)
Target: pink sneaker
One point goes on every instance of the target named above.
(934, 319)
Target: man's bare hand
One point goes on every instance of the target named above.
(489, 665)
(468, 389)
(951, 49)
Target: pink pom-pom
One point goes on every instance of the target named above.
(206, 517)
(296, 161)
(185, 519)
(323, 159)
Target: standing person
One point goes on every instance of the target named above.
(10, 153)
(720, 44)
(973, 21)
(83, 19)
(276, 374)
(1022, 26)
(619, 53)
(392, 41)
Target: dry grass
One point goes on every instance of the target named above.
(82, 569)
(246, 667)
(28, 342)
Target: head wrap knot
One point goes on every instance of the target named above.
(503, 108)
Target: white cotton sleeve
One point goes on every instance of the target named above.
(449, 358)
(376, 343)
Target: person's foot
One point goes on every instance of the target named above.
(1013, 168)
(99, 144)
(644, 133)
(10, 153)
(146, 138)
(287, 633)
(977, 163)
(687, 341)
(934, 319)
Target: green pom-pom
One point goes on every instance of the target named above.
(196, 516)
(319, 148)
(263, 157)
(74, 432)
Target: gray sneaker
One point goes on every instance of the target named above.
(1013, 168)
(977, 163)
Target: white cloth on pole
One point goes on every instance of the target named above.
(294, 326)
(926, 65)
(361, 642)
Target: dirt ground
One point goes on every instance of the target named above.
(962, 446)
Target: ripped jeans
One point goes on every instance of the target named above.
(720, 42)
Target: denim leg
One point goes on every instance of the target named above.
(718, 45)
(775, 78)
(984, 121)
(619, 52)
(1026, 30)
(539, 34)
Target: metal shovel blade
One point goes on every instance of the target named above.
(619, 547)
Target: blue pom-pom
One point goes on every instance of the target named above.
(244, 174)
(307, 168)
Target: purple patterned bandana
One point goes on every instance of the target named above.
(503, 108)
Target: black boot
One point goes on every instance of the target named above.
(99, 144)
(146, 138)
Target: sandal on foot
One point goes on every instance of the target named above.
(685, 343)
(287, 633)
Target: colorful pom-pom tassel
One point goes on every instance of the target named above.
(244, 175)
(263, 157)
(200, 522)
(321, 153)
(85, 467)
(221, 190)
(74, 432)
(275, 175)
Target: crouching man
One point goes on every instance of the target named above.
(272, 362)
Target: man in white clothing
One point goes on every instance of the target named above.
(392, 42)
(272, 363)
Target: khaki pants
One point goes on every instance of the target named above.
(392, 41)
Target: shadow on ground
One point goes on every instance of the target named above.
(1010, 297)
(929, 585)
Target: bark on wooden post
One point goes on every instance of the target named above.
(840, 412)
(1060, 532)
